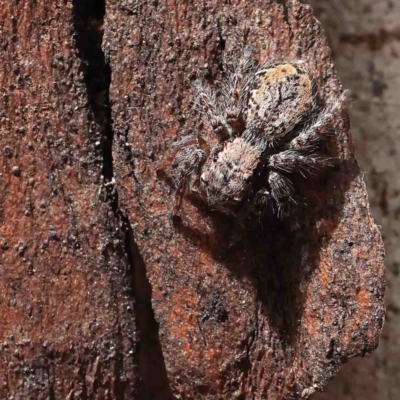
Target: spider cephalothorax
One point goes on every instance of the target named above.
(225, 181)
(266, 125)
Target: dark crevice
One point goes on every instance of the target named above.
(88, 18)
(153, 373)
(82, 376)
(50, 373)
(88, 22)
(285, 10)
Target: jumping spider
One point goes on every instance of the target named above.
(267, 126)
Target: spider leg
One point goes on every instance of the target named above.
(205, 102)
(205, 146)
(190, 154)
(283, 192)
(261, 200)
(180, 193)
(313, 135)
(244, 218)
(189, 141)
(215, 150)
(302, 155)
(303, 152)
(235, 91)
(225, 114)
(290, 161)
(320, 128)
(256, 205)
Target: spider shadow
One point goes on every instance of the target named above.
(278, 260)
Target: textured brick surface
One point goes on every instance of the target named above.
(88, 249)
(67, 321)
(365, 39)
(275, 316)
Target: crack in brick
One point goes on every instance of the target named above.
(88, 22)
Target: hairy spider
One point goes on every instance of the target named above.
(266, 126)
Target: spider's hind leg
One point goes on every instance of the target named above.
(321, 127)
(304, 154)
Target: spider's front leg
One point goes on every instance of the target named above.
(206, 103)
(235, 91)
(190, 154)
(253, 210)
(256, 206)
(280, 196)
(223, 110)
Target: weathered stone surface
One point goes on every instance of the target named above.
(365, 41)
(276, 315)
(272, 317)
(67, 326)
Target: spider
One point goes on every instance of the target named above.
(266, 127)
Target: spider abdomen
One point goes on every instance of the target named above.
(282, 97)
